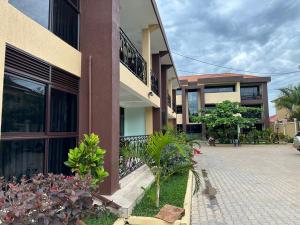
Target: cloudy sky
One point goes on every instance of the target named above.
(253, 35)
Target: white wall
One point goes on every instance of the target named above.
(134, 123)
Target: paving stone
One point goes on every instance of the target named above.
(254, 184)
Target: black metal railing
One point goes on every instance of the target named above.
(154, 84)
(169, 101)
(132, 59)
(128, 165)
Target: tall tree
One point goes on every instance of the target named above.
(224, 120)
(290, 100)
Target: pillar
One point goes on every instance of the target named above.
(184, 109)
(99, 45)
(156, 68)
(265, 105)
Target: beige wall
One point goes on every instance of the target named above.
(178, 99)
(149, 120)
(132, 83)
(287, 129)
(282, 113)
(215, 98)
(22, 32)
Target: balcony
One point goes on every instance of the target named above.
(127, 166)
(251, 97)
(132, 59)
(154, 84)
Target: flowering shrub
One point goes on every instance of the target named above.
(46, 200)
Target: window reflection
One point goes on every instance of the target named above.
(217, 89)
(193, 104)
(37, 10)
(23, 105)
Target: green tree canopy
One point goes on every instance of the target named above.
(227, 117)
(290, 100)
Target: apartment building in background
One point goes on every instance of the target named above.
(71, 67)
(204, 91)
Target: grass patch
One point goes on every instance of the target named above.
(105, 219)
(172, 192)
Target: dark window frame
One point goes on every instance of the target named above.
(47, 135)
(207, 88)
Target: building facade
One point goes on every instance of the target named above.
(205, 91)
(71, 67)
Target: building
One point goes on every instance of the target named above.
(70, 67)
(205, 91)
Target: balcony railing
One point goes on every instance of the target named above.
(251, 97)
(128, 165)
(154, 84)
(169, 101)
(132, 59)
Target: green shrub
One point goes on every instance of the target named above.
(88, 159)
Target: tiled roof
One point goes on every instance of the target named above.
(273, 118)
(193, 78)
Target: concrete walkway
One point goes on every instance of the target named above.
(248, 185)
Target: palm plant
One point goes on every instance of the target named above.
(165, 154)
(290, 100)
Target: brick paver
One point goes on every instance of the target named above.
(254, 184)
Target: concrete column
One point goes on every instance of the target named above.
(296, 125)
(2, 62)
(265, 104)
(184, 109)
(164, 96)
(99, 45)
(146, 52)
(149, 120)
(238, 89)
(156, 68)
(202, 106)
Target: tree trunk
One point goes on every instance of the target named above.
(157, 190)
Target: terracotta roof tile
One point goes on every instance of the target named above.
(193, 78)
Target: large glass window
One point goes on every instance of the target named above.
(250, 92)
(217, 89)
(63, 111)
(23, 105)
(179, 109)
(19, 158)
(39, 118)
(193, 104)
(37, 10)
(60, 16)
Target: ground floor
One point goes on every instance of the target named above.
(248, 185)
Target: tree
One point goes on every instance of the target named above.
(165, 154)
(224, 120)
(290, 100)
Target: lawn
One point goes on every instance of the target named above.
(106, 219)
(172, 192)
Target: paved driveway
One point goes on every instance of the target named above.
(248, 185)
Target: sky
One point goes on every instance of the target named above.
(253, 35)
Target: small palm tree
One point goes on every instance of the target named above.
(165, 154)
(290, 100)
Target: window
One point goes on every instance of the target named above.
(179, 127)
(178, 91)
(210, 106)
(39, 116)
(63, 111)
(250, 92)
(58, 154)
(193, 103)
(217, 89)
(194, 128)
(23, 105)
(179, 109)
(19, 158)
(59, 16)
(35, 9)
